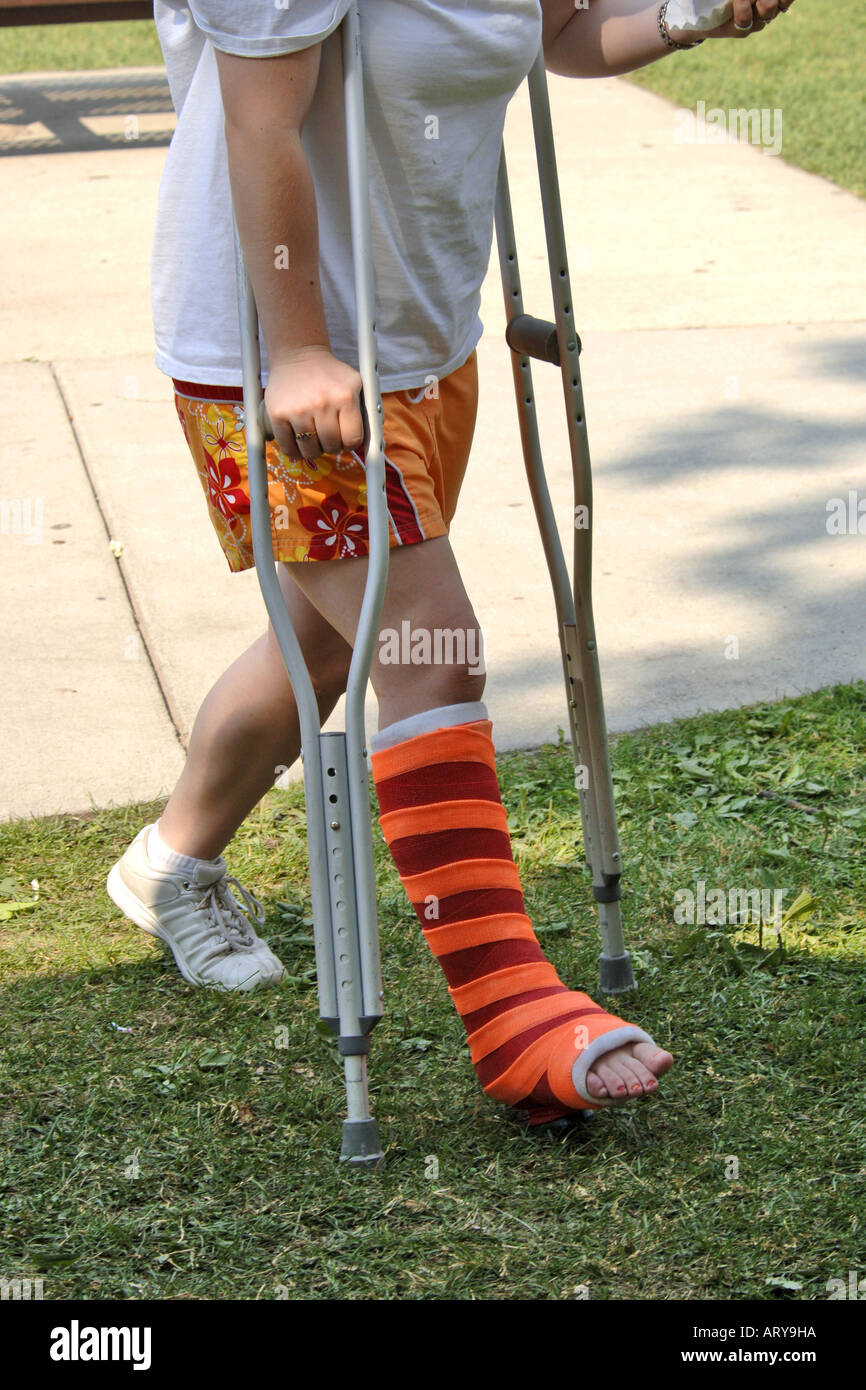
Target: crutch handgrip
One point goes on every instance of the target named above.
(535, 338)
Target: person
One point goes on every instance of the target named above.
(257, 89)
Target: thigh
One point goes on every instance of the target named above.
(326, 652)
(424, 588)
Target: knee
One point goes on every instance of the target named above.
(328, 670)
(454, 685)
(329, 676)
(423, 668)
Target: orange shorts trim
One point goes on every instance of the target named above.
(318, 506)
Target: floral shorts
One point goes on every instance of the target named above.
(318, 506)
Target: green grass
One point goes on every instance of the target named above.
(194, 1157)
(808, 64)
(64, 47)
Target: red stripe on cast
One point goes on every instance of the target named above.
(441, 782)
(416, 853)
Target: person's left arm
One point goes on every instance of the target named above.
(604, 38)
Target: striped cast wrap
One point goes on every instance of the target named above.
(531, 1039)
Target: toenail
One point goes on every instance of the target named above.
(637, 1087)
(620, 1090)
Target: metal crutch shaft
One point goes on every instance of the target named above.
(336, 781)
(559, 343)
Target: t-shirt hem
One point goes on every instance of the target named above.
(269, 46)
(394, 381)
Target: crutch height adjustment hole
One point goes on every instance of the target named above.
(333, 797)
(332, 772)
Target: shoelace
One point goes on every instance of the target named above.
(227, 914)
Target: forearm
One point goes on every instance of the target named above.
(607, 38)
(275, 206)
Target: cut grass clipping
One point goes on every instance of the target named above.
(161, 1141)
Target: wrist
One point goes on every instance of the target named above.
(674, 38)
(290, 356)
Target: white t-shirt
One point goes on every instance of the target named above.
(438, 76)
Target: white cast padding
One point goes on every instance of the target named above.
(443, 717)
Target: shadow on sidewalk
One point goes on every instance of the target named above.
(47, 113)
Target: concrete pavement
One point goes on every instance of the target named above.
(721, 298)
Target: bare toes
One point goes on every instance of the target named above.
(596, 1086)
(609, 1074)
(655, 1059)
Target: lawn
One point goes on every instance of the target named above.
(809, 65)
(74, 47)
(166, 1142)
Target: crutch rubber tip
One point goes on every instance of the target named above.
(616, 974)
(361, 1147)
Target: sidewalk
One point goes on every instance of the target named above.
(721, 300)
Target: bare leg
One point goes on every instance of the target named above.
(425, 587)
(246, 728)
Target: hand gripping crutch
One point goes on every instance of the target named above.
(559, 343)
(336, 781)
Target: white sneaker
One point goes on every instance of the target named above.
(210, 933)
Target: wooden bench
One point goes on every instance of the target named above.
(39, 12)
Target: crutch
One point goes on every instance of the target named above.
(559, 343)
(336, 781)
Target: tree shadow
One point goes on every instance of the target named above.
(772, 566)
(48, 113)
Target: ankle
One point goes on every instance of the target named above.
(166, 856)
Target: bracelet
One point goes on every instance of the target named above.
(672, 43)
